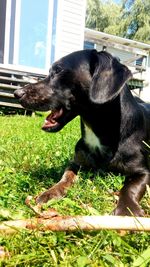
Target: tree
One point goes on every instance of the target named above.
(139, 21)
(113, 14)
(129, 19)
(100, 14)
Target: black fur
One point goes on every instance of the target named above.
(93, 85)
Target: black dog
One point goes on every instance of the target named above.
(113, 124)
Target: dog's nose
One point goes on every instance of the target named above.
(19, 93)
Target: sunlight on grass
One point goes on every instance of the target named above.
(31, 161)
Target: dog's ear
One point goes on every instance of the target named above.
(108, 79)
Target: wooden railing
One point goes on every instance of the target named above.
(10, 80)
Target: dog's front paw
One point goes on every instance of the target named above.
(57, 191)
(132, 209)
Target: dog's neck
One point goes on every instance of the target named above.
(102, 123)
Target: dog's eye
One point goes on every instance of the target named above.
(58, 69)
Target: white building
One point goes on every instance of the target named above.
(35, 33)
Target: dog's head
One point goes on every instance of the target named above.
(81, 76)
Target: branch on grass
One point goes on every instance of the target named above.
(75, 223)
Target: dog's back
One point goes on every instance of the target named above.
(146, 110)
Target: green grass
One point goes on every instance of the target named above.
(31, 161)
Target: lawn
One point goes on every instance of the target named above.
(31, 161)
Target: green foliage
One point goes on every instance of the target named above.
(143, 259)
(129, 19)
(101, 15)
(31, 161)
(139, 21)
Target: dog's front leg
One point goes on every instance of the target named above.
(60, 189)
(82, 158)
(131, 194)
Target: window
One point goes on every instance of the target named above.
(88, 45)
(30, 32)
(33, 33)
(139, 61)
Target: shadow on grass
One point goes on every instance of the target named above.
(48, 175)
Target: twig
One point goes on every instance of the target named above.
(74, 223)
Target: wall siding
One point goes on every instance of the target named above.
(70, 27)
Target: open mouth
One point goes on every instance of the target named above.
(52, 120)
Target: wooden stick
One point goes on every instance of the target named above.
(74, 223)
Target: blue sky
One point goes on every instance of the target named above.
(117, 1)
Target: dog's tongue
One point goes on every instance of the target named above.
(51, 119)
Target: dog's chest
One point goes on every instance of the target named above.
(92, 140)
